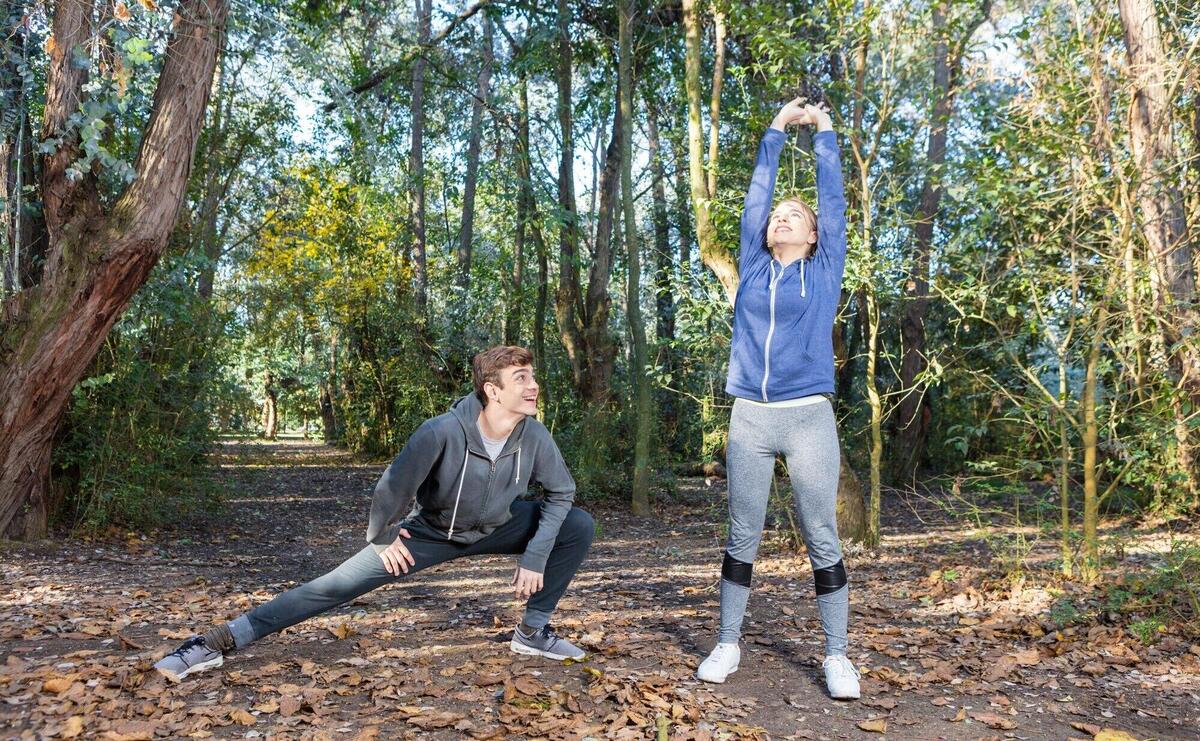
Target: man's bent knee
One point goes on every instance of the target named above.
(579, 524)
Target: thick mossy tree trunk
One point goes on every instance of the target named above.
(96, 258)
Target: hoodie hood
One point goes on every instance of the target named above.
(467, 410)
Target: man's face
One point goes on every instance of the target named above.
(517, 392)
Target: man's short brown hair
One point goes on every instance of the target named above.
(486, 366)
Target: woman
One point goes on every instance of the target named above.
(781, 375)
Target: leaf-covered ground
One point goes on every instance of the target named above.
(950, 646)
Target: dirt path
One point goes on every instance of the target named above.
(952, 651)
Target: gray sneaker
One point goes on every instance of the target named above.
(544, 642)
(190, 658)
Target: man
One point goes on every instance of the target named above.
(464, 470)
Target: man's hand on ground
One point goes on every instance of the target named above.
(396, 558)
(526, 583)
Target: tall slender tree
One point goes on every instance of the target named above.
(466, 231)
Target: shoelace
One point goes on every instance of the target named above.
(188, 645)
(843, 666)
(552, 639)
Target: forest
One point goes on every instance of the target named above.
(248, 246)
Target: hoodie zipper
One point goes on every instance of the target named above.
(487, 494)
(462, 477)
(770, 332)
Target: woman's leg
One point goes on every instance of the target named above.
(814, 463)
(750, 457)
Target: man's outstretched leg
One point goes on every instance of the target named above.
(357, 575)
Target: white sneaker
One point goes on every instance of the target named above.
(841, 678)
(722, 662)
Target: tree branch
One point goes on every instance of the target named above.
(396, 67)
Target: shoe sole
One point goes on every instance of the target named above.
(721, 680)
(193, 669)
(521, 648)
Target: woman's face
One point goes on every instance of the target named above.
(790, 229)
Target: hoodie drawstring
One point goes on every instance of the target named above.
(461, 478)
(802, 293)
(517, 474)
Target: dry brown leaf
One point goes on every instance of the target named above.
(289, 706)
(343, 631)
(1112, 734)
(991, 720)
(241, 716)
(874, 725)
(1028, 657)
(270, 706)
(487, 680)
(527, 685)
(435, 720)
(962, 715)
(939, 701)
(1089, 728)
(73, 727)
(58, 684)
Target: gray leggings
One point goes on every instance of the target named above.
(806, 436)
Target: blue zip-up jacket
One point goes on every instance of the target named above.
(783, 316)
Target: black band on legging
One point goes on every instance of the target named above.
(830, 578)
(738, 572)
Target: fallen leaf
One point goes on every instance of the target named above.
(289, 706)
(991, 720)
(1089, 728)
(527, 685)
(270, 706)
(962, 715)
(1112, 734)
(343, 631)
(241, 716)
(57, 684)
(73, 727)
(874, 725)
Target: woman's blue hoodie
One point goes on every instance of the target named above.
(783, 316)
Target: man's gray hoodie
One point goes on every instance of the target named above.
(461, 493)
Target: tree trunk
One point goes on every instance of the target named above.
(466, 232)
(1164, 226)
(641, 384)
(715, 255)
(270, 412)
(416, 158)
(852, 523)
(664, 302)
(583, 319)
(567, 299)
(1090, 435)
(913, 411)
(23, 238)
(526, 203)
(95, 260)
(683, 211)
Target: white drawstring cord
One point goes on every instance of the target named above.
(802, 293)
(461, 478)
(517, 475)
